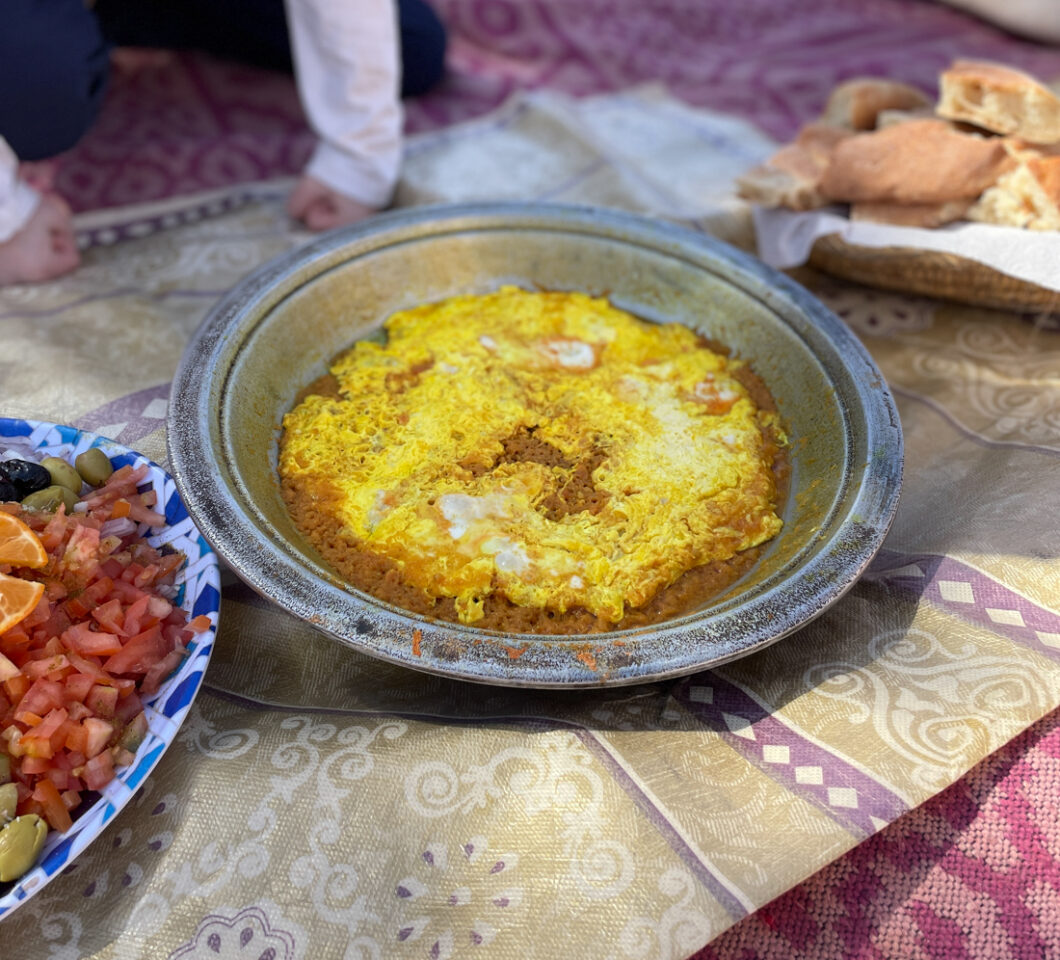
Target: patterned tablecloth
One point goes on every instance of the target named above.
(318, 803)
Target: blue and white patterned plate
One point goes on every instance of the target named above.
(199, 584)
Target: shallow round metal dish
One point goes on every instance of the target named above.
(278, 329)
(199, 585)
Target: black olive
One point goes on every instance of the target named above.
(8, 491)
(27, 477)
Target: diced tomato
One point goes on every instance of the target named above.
(78, 711)
(110, 616)
(131, 572)
(111, 569)
(88, 666)
(29, 805)
(177, 638)
(15, 688)
(99, 771)
(78, 607)
(143, 514)
(34, 766)
(159, 671)
(128, 707)
(136, 612)
(77, 737)
(57, 622)
(55, 812)
(42, 696)
(52, 535)
(58, 776)
(76, 687)
(46, 667)
(97, 735)
(102, 700)
(15, 637)
(91, 643)
(126, 592)
(99, 589)
(39, 615)
(139, 654)
(7, 669)
(50, 726)
(147, 576)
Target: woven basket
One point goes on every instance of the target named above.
(933, 274)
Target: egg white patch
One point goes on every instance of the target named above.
(508, 556)
(462, 510)
(569, 353)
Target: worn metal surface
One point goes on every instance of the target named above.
(277, 330)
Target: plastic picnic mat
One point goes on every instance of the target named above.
(318, 803)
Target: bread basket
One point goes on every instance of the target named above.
(931, 273)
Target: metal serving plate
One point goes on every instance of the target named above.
(277, 330)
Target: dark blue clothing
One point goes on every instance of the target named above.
(53, 71)
(54, 59)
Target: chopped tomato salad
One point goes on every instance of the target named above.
(104, 634)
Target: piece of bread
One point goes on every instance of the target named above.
(791, 177)
(890, 118)
(910, 214)
(1027, 196)
(1000, 99)
(856, 104)
(922, 161)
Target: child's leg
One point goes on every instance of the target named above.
(53, 71)
(255, 32)
(423, 44)
(246, 31)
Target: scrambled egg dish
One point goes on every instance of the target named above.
(544, 448)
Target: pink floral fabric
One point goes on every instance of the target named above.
(180, 123)
(972, 873)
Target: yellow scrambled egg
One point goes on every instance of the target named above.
(544, 446)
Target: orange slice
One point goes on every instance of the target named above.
(17, 600)
(19, 545)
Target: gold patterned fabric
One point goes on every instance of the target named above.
(318, 803)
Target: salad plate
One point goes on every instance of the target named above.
(198, 586)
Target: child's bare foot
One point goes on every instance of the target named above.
(320, 207)
(44, 248)
(40, 174)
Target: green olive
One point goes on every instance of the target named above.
(48, 499)
(8, 802)
(62, 474)
(20, 842)
(94, 467)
